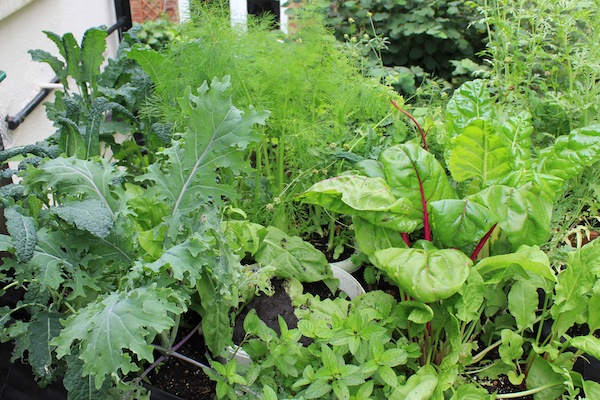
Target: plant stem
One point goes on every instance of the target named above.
(413, 119)
(483, 352)
(406, 238)
(524, 393)
(482, 242)
(165, 356)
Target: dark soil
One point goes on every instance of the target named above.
(182, 379)
(502, 385)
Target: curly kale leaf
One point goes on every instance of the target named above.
(215, 133)
(113, 331)
(23, 230)
(90, 215)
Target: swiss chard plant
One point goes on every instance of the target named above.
(108, 266)
(459, 234)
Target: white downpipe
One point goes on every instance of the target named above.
(184, 10)
(283, 17)
(239, 12)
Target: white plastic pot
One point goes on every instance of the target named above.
(348, 284)
(346, 265)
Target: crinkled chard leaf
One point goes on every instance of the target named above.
(571, 153)
(413, 173)
(370, 237)
(517, 131)
(471, 101)
(369, 198)
(523, 215)
(460, 223)
(479, 153)
(427, 275)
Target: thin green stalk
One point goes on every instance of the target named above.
(519, 395)
(483, 352)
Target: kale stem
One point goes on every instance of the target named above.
(165, 355)
(413, 119)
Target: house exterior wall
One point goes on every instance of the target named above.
(21, 30)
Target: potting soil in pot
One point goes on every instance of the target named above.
(269, 308)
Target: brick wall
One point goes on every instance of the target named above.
(143, 10)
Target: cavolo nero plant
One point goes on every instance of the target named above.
(108, 267)
(459, 236)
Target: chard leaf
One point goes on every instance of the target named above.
(23, 231)
(292, 257)
(571, 153)
(523, 215)
(415, 174)
(370, 237)
(349, 194)
(90, 215)
(531, 259)
(368, 198)
(575, 284)
(215, 133)
(589, 344)
(479, 153)
(470, 101)
(110, 330)
(427, 275)
(517, 132)
(460, 223)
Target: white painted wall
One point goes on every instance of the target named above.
(21, 31)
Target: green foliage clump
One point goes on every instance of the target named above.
(545, 58)
(157, 34)
(440, 38)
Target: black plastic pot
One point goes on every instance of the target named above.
(17, 382)
(587, 366)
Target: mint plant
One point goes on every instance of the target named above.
(352, 353)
